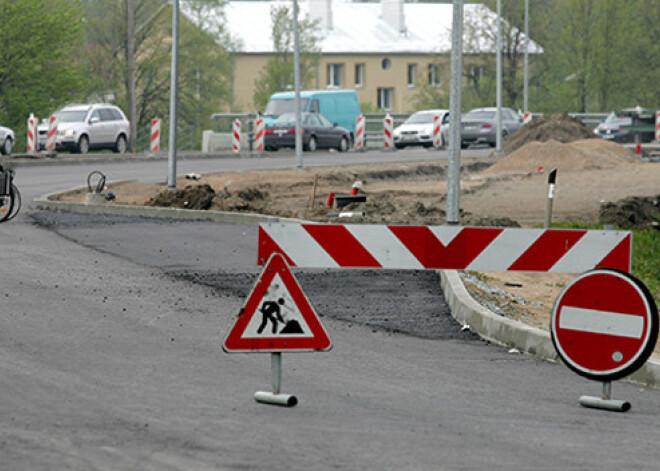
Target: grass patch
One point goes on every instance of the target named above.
(646, 255)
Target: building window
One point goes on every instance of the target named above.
(385, 98)
(359, 75)
(334, 75)
(412, 75)
(434, 75)
(385, 63)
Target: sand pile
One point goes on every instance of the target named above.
(578, 155)
(558, 127)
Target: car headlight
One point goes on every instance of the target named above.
(67, 133)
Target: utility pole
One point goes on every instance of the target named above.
(296, 84)
(171, 151)
(454, 162)
(526, 68)
(130, 53)
(498, 118)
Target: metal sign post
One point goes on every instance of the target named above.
(276, 398)
(605, 402)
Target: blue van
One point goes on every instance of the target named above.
(339, 106)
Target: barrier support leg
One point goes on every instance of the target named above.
(605, 402)
(275, 398)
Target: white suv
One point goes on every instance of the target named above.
(84, 127)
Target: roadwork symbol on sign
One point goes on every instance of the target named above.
(277, 316)
(604, 324)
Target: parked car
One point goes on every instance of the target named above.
(628, 125)
(339, 106)
(317, 132)
(6, 140)
(478, 126)
(417, 130)
(84, 127)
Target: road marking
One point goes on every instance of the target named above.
(601, 322)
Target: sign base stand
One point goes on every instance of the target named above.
(275, 398)
(605, 402)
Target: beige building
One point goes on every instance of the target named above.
(385, 51)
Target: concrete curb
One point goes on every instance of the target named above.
(49, 203)
(464, 308)
(514, 334)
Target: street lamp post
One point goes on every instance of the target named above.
(171, 151)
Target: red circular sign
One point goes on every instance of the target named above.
(604, 324)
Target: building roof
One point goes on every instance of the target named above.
(360, 27)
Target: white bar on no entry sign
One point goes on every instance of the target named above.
(601, 322)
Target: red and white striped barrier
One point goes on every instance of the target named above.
(527, 117)
(259, 134)
(32, 134)
(52, 133)
(657, 125)
(437, 131)
(359, 133)
(236, 136)
(155, 136)
(445, 247)
(388, 129)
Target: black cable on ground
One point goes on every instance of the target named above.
(100, 185)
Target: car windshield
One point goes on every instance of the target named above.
(480, 115)
(71, 116)
(277, 107)
(420, 118)
(614, 118)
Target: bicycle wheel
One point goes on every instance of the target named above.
(8, 206)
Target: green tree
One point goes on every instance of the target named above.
(278, 72)
(38, 68)
(204, 71)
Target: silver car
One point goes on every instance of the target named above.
(6, 140)
(84, 127)
(417, 130)
(478, 126)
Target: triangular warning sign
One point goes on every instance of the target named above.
(277, 316)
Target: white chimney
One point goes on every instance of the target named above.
(392, 11)
(322, 10)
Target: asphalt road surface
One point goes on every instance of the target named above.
(110, 333)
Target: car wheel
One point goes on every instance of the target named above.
(464, 145)
(120, 145)
(312, 145)
(83, 145)
(399, 146)
(7, 146)
(343, 144)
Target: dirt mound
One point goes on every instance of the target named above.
(558, 127)
(191, 197)
(578, 155)
(632, 213)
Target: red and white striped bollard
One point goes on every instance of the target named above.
(236, 136)
(437, 131)
(657, 125)
(388, 128)
(32, 143)
(359, 133)
(259, 134)
(154, 148)
(52, 133)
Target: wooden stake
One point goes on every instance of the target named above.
(311, 203)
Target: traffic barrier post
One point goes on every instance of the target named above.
(359, 133)
(437, 132)
(32, 144)
(52, 133)
(236, 136)
(259, 134)
(657, 125)
(155, 136)
(388, 129)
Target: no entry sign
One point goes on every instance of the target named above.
(604, 324)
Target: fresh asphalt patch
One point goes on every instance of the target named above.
(223, 256)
